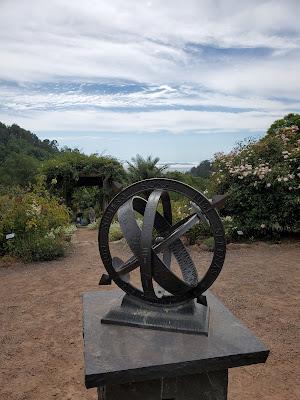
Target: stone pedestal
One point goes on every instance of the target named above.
(127, 363)
(206, 386)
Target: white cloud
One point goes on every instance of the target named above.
(26, 99)
(161, 43)
(133, 40)
(178, 121)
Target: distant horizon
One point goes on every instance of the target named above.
(100, 146)
(188, 147)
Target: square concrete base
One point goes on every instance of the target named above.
(127, 360)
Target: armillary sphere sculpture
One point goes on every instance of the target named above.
(165, 300)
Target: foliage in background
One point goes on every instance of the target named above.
(196, 182)
(115, 232)
(144, 168)
(63, 172)
(39, 222)
(204, 169)
(68, 165)
(94, 225)
(210, 243)
(261, 177)
(286, 122)
(20, 155)
(263, 181)
(201, 231)
(85, 197)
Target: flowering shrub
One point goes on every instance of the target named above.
(37, 222)
(263, 181)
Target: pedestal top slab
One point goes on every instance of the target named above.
(120, 354)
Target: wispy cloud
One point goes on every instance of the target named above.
(175, 121)
(130, 97)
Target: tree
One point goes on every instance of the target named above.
(19, 140)
(203, 169)
(285, 122)
(20, 155)
(18, 169)
(144, 168)
(195, 181)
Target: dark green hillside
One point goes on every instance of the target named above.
(20, 154)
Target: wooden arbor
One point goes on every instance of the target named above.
(90, 180)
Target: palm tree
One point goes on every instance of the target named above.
(144, 168)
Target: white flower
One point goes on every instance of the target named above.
(268, 184)
(263, 226)
(33, 209)
(285, 179)
(50, 235)
(279, 179)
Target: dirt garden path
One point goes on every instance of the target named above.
(41, 326)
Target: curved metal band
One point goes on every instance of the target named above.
(167, 213)
(186, 264)
(146, 253)
(129, 226)
(160, 272)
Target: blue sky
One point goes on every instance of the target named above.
(180, 80)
